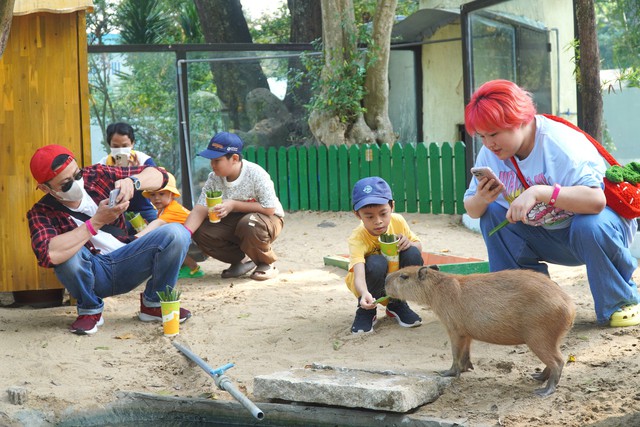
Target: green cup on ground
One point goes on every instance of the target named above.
(170, 317)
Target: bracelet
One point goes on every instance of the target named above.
(90, 227)
(554, 195)
(188, 229)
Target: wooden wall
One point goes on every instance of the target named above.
(44, 100)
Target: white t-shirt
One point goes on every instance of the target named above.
(560, 155)
(254, 184)
(103, 241)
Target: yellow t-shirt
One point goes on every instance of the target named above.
(174, 212)
(362, 244)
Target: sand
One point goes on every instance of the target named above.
(302, 317)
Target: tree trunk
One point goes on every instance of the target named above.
(6, 15)
(306, 26)
(223, 22)
(376, 101)
(589, 65)
(338, 31)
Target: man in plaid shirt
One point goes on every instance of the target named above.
(75, 232)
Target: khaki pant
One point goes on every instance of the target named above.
(240, 234)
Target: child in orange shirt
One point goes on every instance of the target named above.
(169, 210)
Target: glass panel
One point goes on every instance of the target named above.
(402, 95)
(139, 89)
(247, 93)
(493, 50)
(508, 41)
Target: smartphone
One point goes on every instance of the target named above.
(113, 195)
(485, 171)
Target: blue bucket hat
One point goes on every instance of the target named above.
(372, 190)
(222, 143)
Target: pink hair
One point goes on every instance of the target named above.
(498, 104)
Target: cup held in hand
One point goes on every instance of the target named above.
(211, 203)
(138, 223)
(390, 251)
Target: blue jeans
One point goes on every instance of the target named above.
(601, 242)
(156, 256)
(375, 269)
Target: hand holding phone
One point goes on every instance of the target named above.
(113, 195)
(486, 172)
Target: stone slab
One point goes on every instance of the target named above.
(351, 388)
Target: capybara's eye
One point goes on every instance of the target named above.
(404, 276)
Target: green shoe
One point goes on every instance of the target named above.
(196, 273)
(184, 272)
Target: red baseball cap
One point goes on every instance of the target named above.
(42, 162)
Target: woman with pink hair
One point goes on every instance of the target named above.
(551, 193)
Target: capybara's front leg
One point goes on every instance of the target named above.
(460, 347)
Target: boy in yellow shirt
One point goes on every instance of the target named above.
(373, 205)
(169, 210)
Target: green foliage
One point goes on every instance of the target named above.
(575, 46)
(340, 91)
(618, 26)
(271, 28)
(143, 22)
(211, 194)
(170, 294)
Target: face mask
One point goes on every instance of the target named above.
(75, 193)
(121, 156)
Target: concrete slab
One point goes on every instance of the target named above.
(352, 388)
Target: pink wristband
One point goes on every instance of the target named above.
(554, 195)
(188, 229)
(90, 227)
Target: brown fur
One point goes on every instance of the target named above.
(508, 307)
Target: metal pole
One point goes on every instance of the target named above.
(222, 381)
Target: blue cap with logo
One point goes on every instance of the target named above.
(372, 190)
(222, 143)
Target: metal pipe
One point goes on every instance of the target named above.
(222, 381)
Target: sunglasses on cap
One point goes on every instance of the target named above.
(67, 184)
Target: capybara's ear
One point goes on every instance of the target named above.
(434, 267)
(422, 273)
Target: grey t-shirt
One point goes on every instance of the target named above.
(253, 185)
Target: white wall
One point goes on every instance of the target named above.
(443, 100)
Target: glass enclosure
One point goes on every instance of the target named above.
(509, 41)
(177, 97)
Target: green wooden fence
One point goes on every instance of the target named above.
(425, 178)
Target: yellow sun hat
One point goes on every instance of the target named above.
(171, 186)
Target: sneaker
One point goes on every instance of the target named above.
(154, 314)
(364, 321)
(406, 317)
(87, 324)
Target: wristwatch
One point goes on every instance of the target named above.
(136, 182)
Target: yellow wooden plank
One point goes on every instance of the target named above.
(24, 7)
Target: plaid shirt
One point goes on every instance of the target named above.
(46, 222)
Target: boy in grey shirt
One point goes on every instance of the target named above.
(251, 216)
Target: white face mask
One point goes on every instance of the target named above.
(75, 193)
(121, 156)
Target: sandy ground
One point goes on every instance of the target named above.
(303, 317)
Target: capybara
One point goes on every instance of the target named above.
(507, 307)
